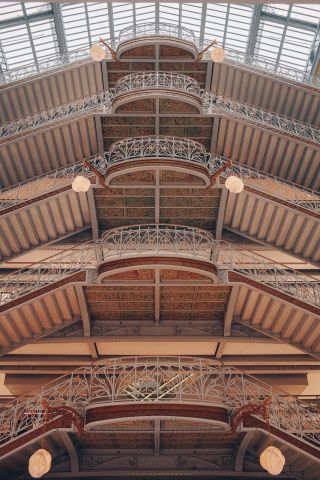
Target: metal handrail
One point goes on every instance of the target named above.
(176, 240)
(48, 182)
(152, 28)
(267, 183)
(151, 80)
(255, 63)
(157, 146)
(163, 147)
(136, 380)
(100, 102)
(212, 104)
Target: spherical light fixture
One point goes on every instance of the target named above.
(272, 460)
(40, 463)
(81, 184)
(97, 53)
(217, 54)
(234, 184)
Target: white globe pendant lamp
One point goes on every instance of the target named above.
(40, 463)
(234, 184)
(81, 184)
(217, 54)
(97, 52)
(272, 460)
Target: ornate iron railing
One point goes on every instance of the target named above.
(152, 28)
(185, 242)
(157, 147)
(142, 81)
(55, 268)
(55, 62)
(101, 101)
(162, 147)
(47, 182)
(267, 183)
(255, 63)
(261, 64)
(136, 380)
(213, 104)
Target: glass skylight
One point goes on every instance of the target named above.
(285, 34)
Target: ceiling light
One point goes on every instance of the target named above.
(40, 463)
(234, 184)
(217, 54)
(272, 460)
(97, 53)
(81, 184)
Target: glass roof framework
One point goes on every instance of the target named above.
(286, 35)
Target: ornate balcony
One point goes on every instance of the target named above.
(174, 32)
(160, 40)
(165, 155)
(157, 91)
(149, 382)
(139, 242)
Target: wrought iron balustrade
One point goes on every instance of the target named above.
(183, 380)
(251, 62)
(140, 240)
(47, 182)
(166, 80)
(53, 269)
(213, 104)
(152, 28)
(267, 183)
(264, 65)
(54, 62)
(157, 147)
(101, 102)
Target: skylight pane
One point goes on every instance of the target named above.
(145, 12)
(75, 26)
(44, 38)
(98, 21)
(191, 17)
(269, 40)
(122, 16)
(10, 10)
(169, 13)
(216, 21)
(238, 27)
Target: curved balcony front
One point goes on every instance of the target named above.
(157, 40)
(174, 247)
(157, 92)
(160, 160)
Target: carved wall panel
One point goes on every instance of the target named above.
(142, 105)
(146, 275)
(171, 176)
(167, 274)
(144, 51)
(168, 51)
(176, 106)
(145, 176)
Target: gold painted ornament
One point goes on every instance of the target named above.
(40, 463)
(272, 460)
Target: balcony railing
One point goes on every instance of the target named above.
(141, 240)
(157, 147)
(101, 102)
(47, 182)
(212, 104)
(255, 63)
(161, 29)
(183, 380)
(162, 147)
(154, 80)
(267, 183)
